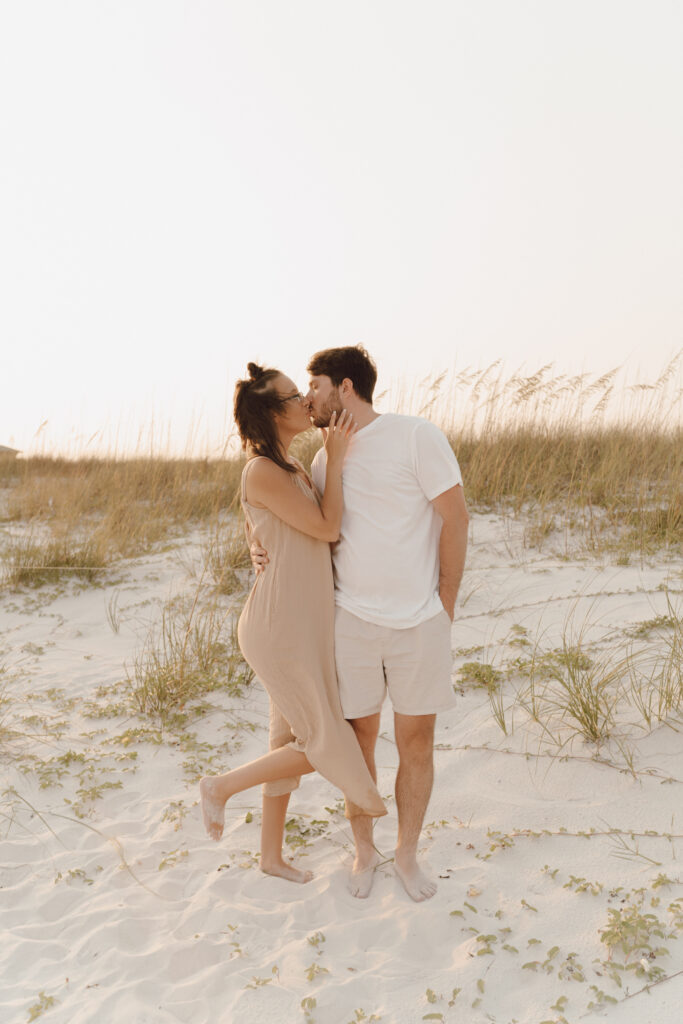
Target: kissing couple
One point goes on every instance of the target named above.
(357, 572)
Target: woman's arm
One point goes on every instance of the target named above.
(270, 487)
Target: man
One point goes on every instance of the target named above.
(397, 565)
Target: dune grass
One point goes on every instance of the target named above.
(30, 560)
(581, 455)
(586, 454)
(191, 652)
(76, 517)
(607, 692)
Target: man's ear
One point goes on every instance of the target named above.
(346, 387)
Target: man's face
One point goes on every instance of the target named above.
(322, 400)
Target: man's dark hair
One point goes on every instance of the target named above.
(351, 361)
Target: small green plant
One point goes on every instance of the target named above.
(172, 858)
(257, 982)
(662, 880)
(583, 885)
(486, 943)
(316, 940)
(600, 999)
(299, 834)
(314, 970)
(74, 875)
(38, 1009)
(546, 965)
(630, 931)
(570, 969)
(481, 988)
(497, 841)
(479, 673)
(308, 1005)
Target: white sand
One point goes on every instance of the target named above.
(131, 914)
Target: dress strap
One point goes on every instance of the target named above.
(243, 482)
(243, 493)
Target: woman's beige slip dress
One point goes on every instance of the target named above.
(286, 633)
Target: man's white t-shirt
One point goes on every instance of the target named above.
(386, 562)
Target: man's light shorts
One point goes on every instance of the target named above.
(413, 664)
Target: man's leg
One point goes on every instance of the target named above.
(360, 883)
(415, 742)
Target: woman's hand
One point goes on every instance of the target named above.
(337, 437)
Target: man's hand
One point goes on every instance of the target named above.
(448, 596)
(453, 544)
(259, 557)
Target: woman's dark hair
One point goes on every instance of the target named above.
(256, 403)
(351, 361)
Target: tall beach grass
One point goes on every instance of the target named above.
(592, 455)
(75, 517)
(596, 455)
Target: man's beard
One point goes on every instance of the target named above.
(322, 419)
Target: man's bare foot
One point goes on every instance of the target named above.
(415, 882)
(282, 869)
(363, 875)
(213, 808)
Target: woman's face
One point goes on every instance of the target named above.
(294, 413)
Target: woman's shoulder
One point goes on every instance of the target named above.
(262, 477)
(261, 468)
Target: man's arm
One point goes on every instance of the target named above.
(453, 545)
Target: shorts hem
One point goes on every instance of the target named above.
(361, 714)
(430, 711)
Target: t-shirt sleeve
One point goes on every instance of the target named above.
(318, 468)
(436, 466)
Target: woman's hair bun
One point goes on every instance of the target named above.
(255, 371)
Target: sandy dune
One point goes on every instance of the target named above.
(116, 907)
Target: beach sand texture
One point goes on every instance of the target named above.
(115, 906)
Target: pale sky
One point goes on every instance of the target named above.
(185, 186)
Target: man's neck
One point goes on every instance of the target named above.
(363, 414)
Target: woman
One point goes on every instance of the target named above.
(286, 630)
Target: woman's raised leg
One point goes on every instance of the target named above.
(216, 790)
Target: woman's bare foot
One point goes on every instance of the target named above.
(363, 875)
(282, 869)
(213, 808)
(415, 882)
